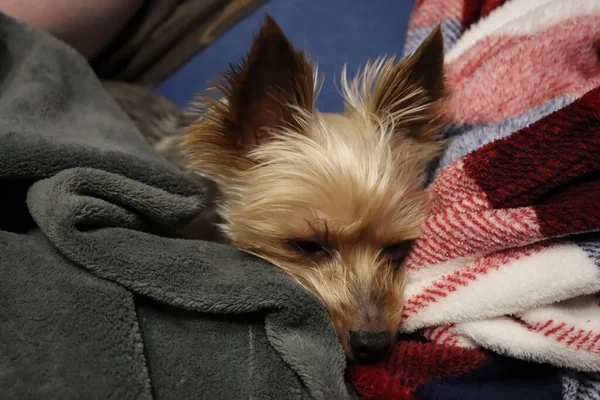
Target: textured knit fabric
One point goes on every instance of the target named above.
(502, 299)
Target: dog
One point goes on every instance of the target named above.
(335, 200)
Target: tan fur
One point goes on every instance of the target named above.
(351, 182)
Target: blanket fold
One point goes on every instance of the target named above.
(96, 302)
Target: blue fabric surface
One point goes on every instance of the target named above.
(334, 31)
(499, 378)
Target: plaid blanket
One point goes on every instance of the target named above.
(502, 300)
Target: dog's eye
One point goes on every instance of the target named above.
(308, 247)
(397, 251)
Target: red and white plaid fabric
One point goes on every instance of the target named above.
(509, 259)
(504, 261)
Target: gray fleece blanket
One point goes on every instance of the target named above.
(95, 302)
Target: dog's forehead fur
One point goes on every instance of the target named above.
(339, 175)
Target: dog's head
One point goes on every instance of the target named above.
(333, 199)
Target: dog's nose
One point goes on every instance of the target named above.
(369, 347)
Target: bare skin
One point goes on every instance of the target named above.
(88, 26)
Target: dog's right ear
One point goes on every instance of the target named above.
(267, 90)
(413, 92)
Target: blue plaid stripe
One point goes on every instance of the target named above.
(470, 137)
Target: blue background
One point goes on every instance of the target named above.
(333, 31)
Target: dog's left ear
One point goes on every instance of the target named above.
(412, 92)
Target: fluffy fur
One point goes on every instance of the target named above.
(333, 199)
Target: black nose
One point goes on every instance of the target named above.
(369, 347)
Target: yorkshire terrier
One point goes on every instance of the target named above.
(335, 200)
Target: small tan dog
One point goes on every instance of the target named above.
(335, 200)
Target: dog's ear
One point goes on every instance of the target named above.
(265, 90)
(271, 88)
(412, 92)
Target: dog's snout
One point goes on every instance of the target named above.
(369, 347)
